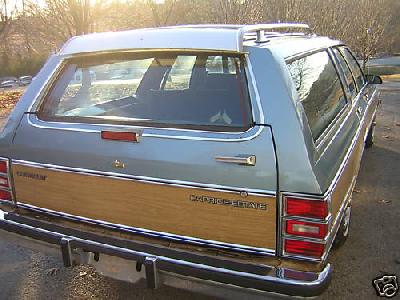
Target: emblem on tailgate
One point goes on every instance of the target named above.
(32, 175)
(233, 203)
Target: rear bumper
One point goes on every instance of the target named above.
(159, 260)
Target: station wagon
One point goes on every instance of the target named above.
(222, 153)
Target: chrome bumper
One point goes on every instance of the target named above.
(158, 260)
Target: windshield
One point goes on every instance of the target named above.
(183, 90)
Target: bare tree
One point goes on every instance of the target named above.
(236, 11)
(6, 17)
(162, 11)
(65, 18)
(368, 32)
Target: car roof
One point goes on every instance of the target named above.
(214, 37)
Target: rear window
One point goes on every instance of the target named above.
(182, 90)
(319, 90)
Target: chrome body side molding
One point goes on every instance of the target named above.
(177, 183)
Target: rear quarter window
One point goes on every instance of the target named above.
(319, 89)
(354, 66)
(182, 90)
(350, 80)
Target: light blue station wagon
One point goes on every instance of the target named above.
(222, 153)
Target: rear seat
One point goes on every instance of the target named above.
(193, 105)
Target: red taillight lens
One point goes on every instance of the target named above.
(304, 248)
(4, 182)
(308, 229)
(120, 136)
(306, 208)
(3, 166)
(5, 195)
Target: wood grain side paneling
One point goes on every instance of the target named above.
(158, 207)
(346, 179)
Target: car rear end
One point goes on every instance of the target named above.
(170, 166)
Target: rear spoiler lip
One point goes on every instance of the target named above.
(275, 281)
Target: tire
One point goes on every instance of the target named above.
(369, 141)
(344, 227)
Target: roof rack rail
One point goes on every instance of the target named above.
(259, 29)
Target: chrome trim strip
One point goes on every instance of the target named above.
(177, 183)
(155, 234)
(248, 135)
(37, 99)
(312, 220)
(255, 88)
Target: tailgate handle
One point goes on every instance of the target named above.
(247, 160)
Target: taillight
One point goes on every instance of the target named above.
(5, 195)
(306, 226)
(307, 229)
(3, 166)
(5, 184)
(304, 248)
(306, 208)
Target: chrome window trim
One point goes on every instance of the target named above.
(38, 98)
(349, 105)
(166, 132)
(341, 49)
(173, 133)
(362, 72)
(157, 234)
(147, 179)
(301, 55)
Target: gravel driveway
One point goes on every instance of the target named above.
(373, 247)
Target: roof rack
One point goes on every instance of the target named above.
(223, 37)
(260, 29)
(262, 32)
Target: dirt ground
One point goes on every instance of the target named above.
(372, 249)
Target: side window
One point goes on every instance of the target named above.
(347, 73)
(319, 90)
(354, 66)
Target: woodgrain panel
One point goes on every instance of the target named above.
(158, 207)
(346, 179)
